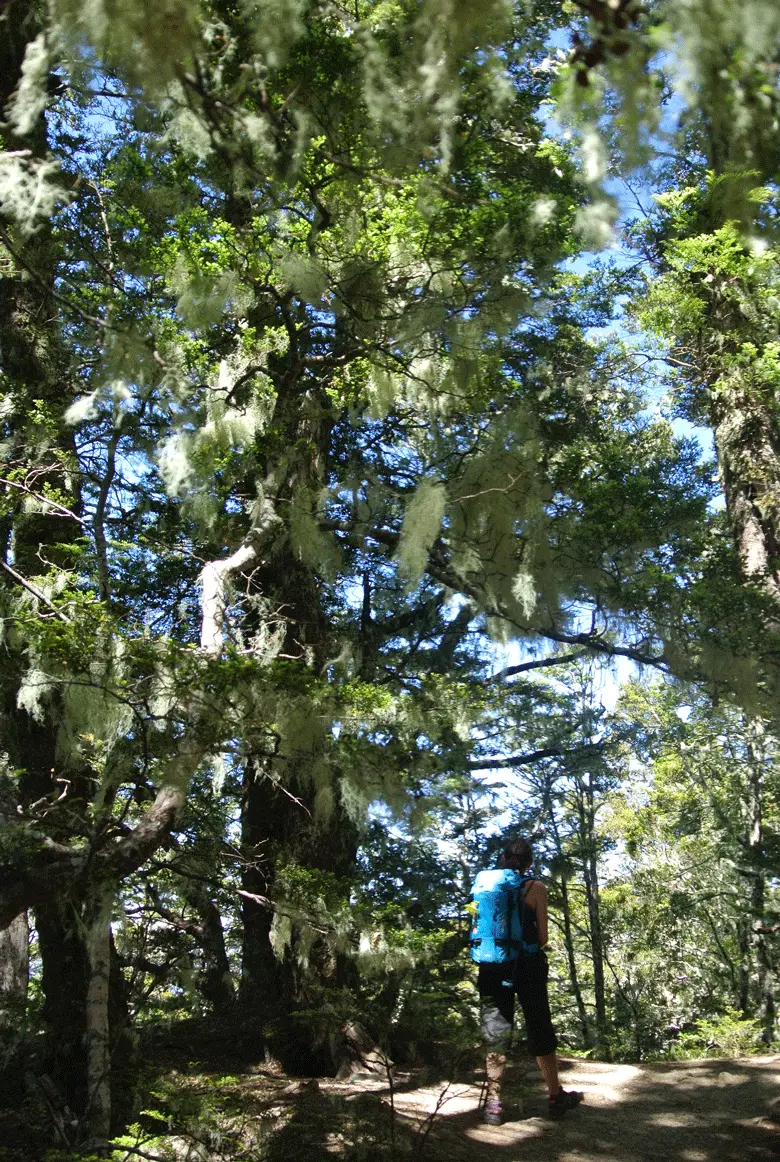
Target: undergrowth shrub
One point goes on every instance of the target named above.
(726, 1035)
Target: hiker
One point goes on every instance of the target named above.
(509, 933)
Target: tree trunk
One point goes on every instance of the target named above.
(215, 980)
(32, 357)
(571, 959)
(65, 976)
(568, 930)
(32, 367)
(14, 969)
(14, 952)
(587, 816)
(759, 951)
(90, 1048)
(124, 1045)
(260, 989)
(98, 1037)
(279, 815)
(280, 823)
(747, 441)
(743, 974)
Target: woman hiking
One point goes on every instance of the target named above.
(509, 936)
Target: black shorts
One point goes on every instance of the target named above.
(498, 984)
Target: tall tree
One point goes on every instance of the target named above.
(692, 97)
(709, 825)
(317, 371)
(232, 303)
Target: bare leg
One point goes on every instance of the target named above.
(549, 1067)
(495, 1064)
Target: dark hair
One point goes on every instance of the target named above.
(517, 854)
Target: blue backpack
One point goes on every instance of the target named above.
(497, 908)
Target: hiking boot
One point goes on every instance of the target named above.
(564, 1100)
(493, 1113)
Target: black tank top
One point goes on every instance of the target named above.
(530, 931)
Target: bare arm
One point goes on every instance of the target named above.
(537, 899)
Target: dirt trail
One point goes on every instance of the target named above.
(693, 1111)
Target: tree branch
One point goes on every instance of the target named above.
(98, 521)
(131, 851)
(522, 760)
(215, 575)
(28, 585)
(53, 505)
(595, 641)
(538, 664)
(439, 570)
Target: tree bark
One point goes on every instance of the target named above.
(587, 816)
(90, 1050)
(279, 822)
(215, 980)
(571, 959)
(278, 813)
(747, 442)
(758, 953)
(98, 1036)
(568, 931)
(14, 957)
(14, 966)
(14, 975)
(65, 967)
(261, 985)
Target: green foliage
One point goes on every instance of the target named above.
(302, 329)
(699, 77)
(727, 1035)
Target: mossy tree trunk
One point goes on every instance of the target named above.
(280, 821)
(745, 425)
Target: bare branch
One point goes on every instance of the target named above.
(216, 574)
(665, 359)
(36, 592)
(473, 495)
(54, 505)
(534, 756)
(538, 664)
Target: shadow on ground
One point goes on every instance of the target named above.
(705, 1111)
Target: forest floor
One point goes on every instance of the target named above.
(691, 1111)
